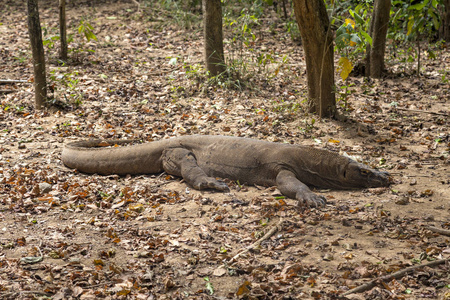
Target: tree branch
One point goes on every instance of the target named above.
(396, 275)
(439, 230)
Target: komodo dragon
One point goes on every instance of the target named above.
(200, 159)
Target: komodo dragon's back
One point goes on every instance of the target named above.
(199, 159)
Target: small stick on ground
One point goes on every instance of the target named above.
(367, 286)
(258, 242)
(423, 111)
(439, 230)
(138, 4)
(164, 71)
(8, 81)
(16, 294)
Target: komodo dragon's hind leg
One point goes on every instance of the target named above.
(290, 186)
(181, 162)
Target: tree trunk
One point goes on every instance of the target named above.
(446, 21)
(284, 9)
(378, 30)
(63, 30)
(212, 22)
(34, 30)
(317, 40)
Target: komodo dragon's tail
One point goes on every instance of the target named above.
(108, 157)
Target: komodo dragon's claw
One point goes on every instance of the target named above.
(212, 183)
(311, 200)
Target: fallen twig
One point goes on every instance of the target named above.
(161, 72)
(423, 111)
(6, 91)
(439, 230)
(396, 275)
(138, 4)
(156, 73)
(258, 242)
(7, 81)
(33, 259)
(16, 294)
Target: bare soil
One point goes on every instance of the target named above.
(66, 235)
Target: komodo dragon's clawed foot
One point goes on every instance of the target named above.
(290, 186)
(310, 199)
(211, 183)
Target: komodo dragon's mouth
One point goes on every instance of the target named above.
(379, 179)
(357, 175)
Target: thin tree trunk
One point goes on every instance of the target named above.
(63, 29)
(378, 30)
(212, 22)
(314, 25)
(34, 30)
(418, 56)
(446, 21)
(284, 9)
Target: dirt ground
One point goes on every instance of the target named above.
(67, 235)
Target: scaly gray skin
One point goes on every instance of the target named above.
(200, 159)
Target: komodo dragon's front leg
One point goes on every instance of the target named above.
(289, 185)
(181, 162)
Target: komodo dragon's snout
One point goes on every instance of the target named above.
(201, 159)
(358, 175)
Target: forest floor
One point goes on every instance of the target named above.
(67, 235)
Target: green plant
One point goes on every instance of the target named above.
(286, 106)
(51, 35)
(195, 72)
(246, 58)
(21, 59)
(291, 27)
(48, 38)
(444, 78)
(208, 285)
(422, 19)
(230, 79)
(86, 29)
(350, 43)
(19, 108)
(264, 59)
(351, 35)
(243, 39)
(411, 22)
(67, 84)
(345, 91)
(183, 13)
(309, 125)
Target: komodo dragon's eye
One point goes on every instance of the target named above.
(365, 172)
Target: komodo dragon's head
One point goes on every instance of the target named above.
(327, 169)
(359, 175)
